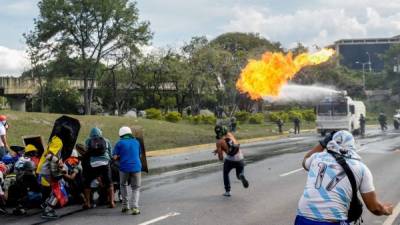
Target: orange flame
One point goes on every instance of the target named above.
(265, 77)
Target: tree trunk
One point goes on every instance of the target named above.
(86, 95)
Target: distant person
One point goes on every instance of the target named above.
(382, 121)
(99, 150)
(280, 125)
(228, 145)
(233, 124)
(3, 136)
(296, 122)
(334, 178)
(362, 125)
(127, 151)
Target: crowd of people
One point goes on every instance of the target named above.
(30, 179)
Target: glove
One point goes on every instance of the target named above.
(324, 142)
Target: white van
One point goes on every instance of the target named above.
(339, 112)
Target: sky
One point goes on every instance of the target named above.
(174, 22)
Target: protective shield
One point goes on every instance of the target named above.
(138, 134)
(67, 129)
(36, 141)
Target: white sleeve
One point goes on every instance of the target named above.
(367, 181)
(2, 130)
(309, 160)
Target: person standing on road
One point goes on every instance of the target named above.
(3, 136)
(227, 143)
(328, 193)
(280, 125)
(362, 125)
(296, 122)
(99, 150)
(382, 121)
(127, 151)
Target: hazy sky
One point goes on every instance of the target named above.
(174, 22)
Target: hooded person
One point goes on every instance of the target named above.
(328, 192)
(99, 151)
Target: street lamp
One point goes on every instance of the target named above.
(363, 71)
(369, 61)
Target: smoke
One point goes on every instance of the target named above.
(302, 94)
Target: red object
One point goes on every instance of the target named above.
(3, 117)
(3, 168)
(59, 192)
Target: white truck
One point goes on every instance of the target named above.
(339, 112)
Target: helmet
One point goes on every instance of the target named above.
(74, 153)
(29, 166)
(30, 148)
(8, 159)
(220, 131)
(124, 130)
(3, 118)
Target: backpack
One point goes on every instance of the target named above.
(356, 207)
(97, 146)
(233, 148)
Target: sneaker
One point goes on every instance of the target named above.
(135, 211)
(124, 209)
(49, 215)
(227, 194)
(244, 181)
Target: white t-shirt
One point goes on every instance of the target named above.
(328, 192)
(2, 133)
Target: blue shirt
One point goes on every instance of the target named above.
(128, 150)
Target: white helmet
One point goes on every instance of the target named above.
(124, 130)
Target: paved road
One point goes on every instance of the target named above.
(194, 196)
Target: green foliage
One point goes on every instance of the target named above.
(242, 116)
(275, 116)
(153, 114)
(257, 118)
(173, 117)
(60, 97)
(208, 119)
(295, 113)
(309, 115)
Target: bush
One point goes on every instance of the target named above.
(242, 116)
(153, 114)
(257, 118)
(173, 117)
(275, 116)
(309, 115)
(295, 114)
(208, 119)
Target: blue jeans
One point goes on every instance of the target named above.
(304, 221)
(3, 152)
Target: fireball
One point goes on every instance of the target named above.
(265, 77)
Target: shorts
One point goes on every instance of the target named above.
(94, 172)
(300, 220)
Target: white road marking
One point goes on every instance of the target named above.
(390, 220)
(291, 172)
(160, 218)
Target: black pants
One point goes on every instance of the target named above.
(297, 129)
(102, 171)
(228, 166)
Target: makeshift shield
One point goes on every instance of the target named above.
(36, 141)
(138, 134)
(67, 129)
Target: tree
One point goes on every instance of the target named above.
(90, 29)
(392, 68)
(60, 97)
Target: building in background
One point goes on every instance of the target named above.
(359, 53)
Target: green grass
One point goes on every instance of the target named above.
(157, 134)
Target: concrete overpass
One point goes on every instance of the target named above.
(18, 89)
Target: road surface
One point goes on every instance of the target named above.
(194, 196)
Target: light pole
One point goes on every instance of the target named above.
(363, 71)
(369, 61)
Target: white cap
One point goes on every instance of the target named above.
(124, 130)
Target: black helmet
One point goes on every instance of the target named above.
(220, 131)
(29, 166)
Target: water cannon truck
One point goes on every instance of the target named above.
(339, 112)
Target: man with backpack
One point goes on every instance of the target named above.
(127, 151)
(99, 151)
(227, 143)
(334, 178)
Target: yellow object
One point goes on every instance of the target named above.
(54, 147)
(30, 148)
